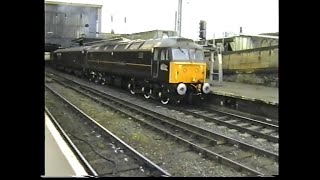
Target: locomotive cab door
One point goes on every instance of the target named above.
(155, 63)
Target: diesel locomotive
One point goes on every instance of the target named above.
(169, 69)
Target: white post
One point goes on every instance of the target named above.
(175, 21)
(97, 27)
(211, 66)
(212, 59)
(220, 67)
(179, 17)
(221, 49)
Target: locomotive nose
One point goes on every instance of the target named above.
(187, 72)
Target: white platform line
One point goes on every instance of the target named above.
(71, 158)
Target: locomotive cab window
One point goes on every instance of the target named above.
(164, 55)
(180, 54)
(155, 54)
(196, 54)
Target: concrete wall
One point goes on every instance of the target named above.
(255, 66)
(65, 22)
(251, 60)
(265, 79)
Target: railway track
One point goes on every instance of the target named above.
(258, 129)
(213, 145)
(83, 161)
(128, 162)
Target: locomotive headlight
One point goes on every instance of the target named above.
(181, 89)
(206, 88)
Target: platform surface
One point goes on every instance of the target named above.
(60, 161)
(269, 95)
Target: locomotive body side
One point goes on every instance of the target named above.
(120, 62)
(71, 60)
(169, 69)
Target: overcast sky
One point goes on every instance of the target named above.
(255, 16)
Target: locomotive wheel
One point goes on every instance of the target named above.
(96, 80)
(103, 81)
(163, 98)
(146, 93)
(91, 78)
(131, 88)
(108, 80)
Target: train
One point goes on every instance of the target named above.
(169, 69)
(48, 52)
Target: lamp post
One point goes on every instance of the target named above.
(179, 20)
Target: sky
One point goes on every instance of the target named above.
(254, 16)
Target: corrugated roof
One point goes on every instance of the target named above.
(73, 4)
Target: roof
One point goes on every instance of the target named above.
(73, 4)
(261, 36)
(270, 34)
(105, 37)
(125, 44)
(176, 42)
(48, 47)
(231, 38)
(75, 49)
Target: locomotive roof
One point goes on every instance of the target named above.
(144, 45)
(73, 49)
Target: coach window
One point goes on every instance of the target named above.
(90, 55)
(140, 58)
(140, 55)
(59, 56)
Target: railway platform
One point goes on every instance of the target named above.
(268, 95)
(248, 98)
(60, 161)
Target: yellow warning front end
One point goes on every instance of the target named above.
(187, 72)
